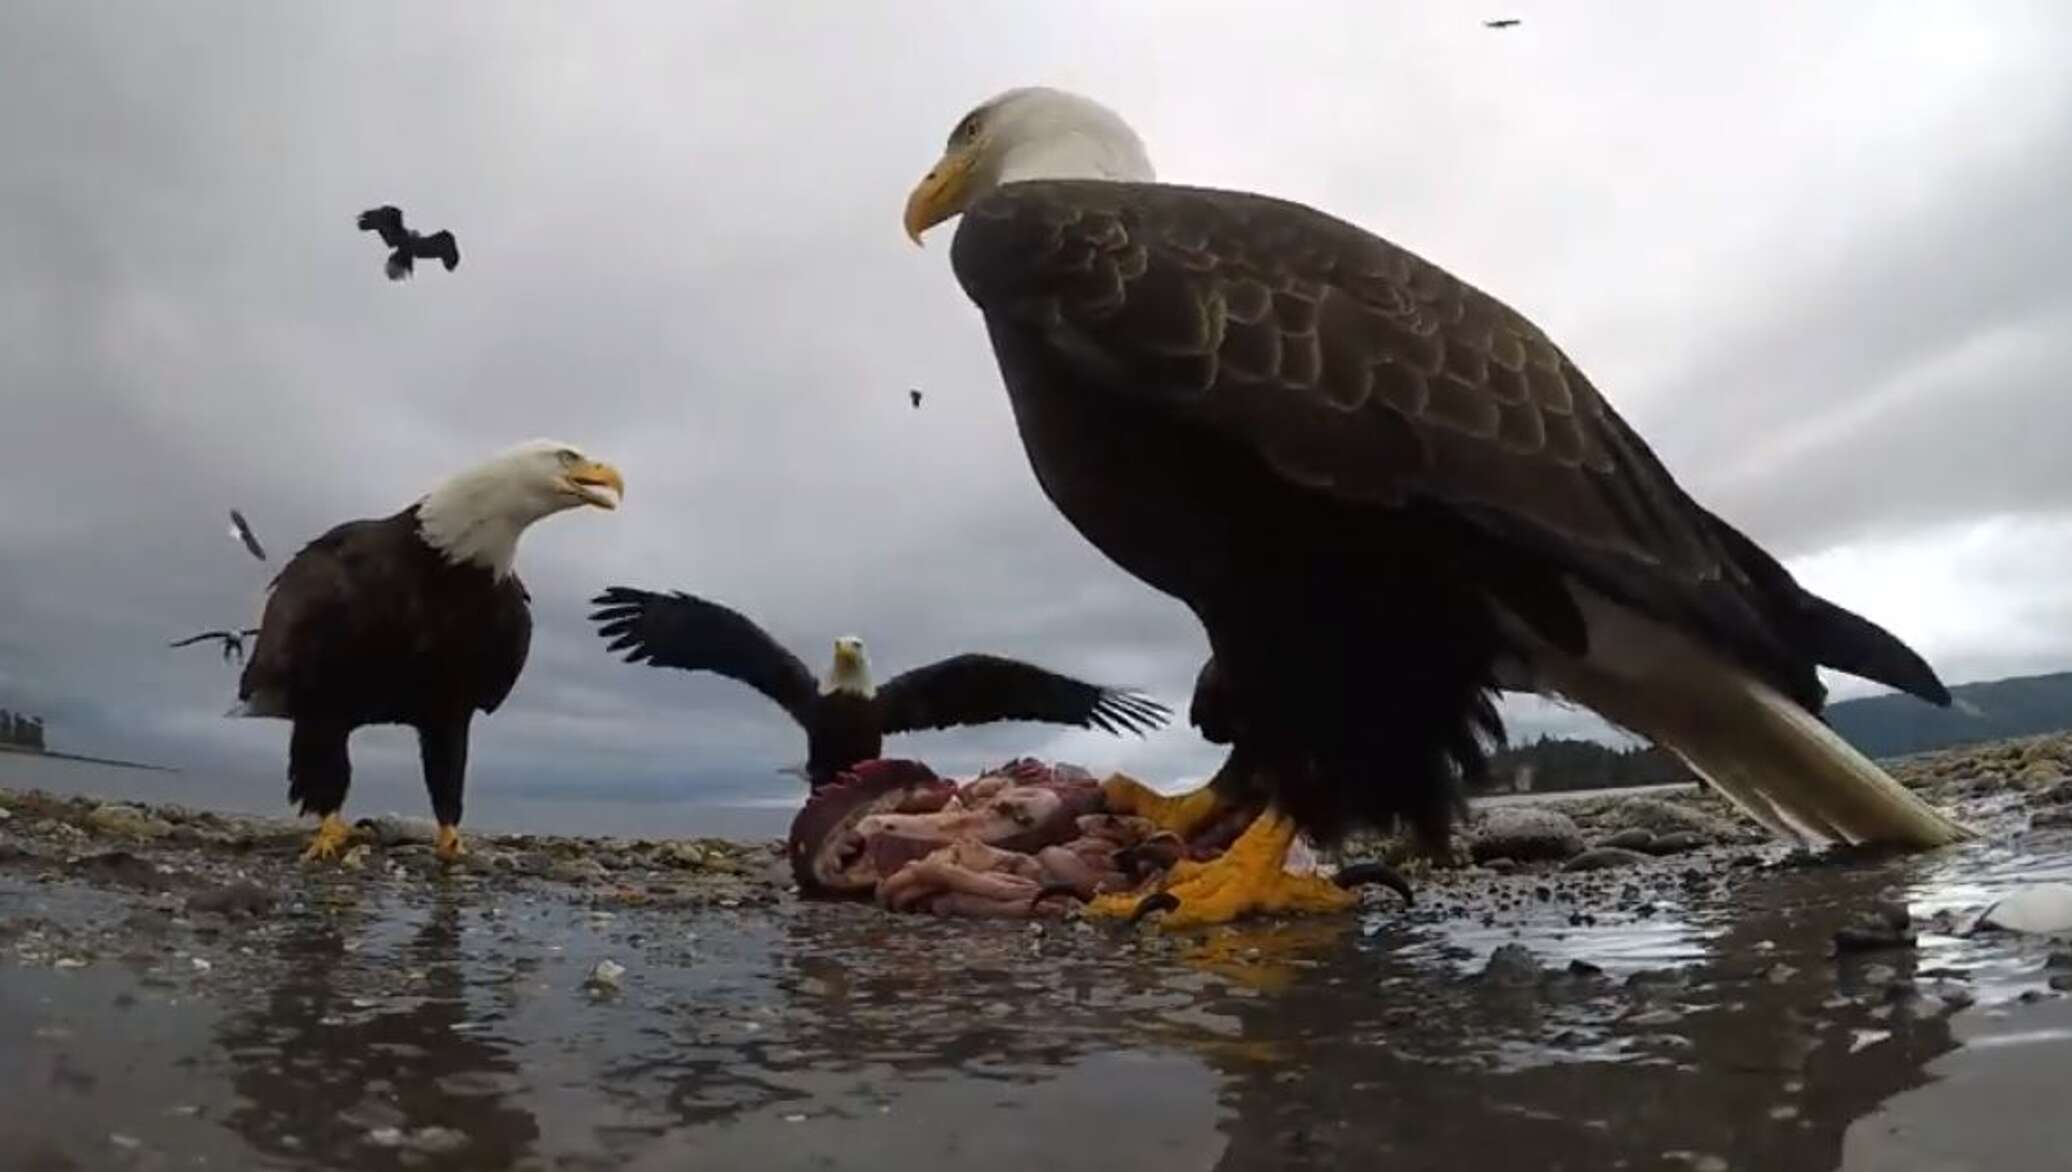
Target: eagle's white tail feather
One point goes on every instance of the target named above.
(1774, 759)
(259, 704)
(1793, 773)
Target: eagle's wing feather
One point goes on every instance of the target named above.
(1359, 371)
(243, 530)
(695, 634)
(981, 689)
(439, 246)
(190, 640)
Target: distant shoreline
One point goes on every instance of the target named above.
(89, 760)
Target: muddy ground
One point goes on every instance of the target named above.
(1638, 982)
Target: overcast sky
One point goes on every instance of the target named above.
(1819, 255)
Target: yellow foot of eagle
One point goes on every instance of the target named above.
(1250, 878)
(448, 846)
(329, 839)
(1183, 814)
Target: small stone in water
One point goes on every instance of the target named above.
(604, 976)
(436, 1140)
(1872, 937)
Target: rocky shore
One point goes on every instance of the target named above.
(1592, 854)
(231, 1000)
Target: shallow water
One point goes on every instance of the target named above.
(1719, 1034)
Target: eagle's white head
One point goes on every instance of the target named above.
(851, 672)
(1028, 133)
(478, 515)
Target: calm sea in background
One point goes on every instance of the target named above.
(606, 811)
(601, 813)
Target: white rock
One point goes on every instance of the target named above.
(605, 975)
(436, 1140)
(394, 829)
(2043, 909)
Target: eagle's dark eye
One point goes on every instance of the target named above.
(966, 130)
(567, 456)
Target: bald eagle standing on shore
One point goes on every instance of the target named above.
(414, 619)
(1386, 495)
(847, 717)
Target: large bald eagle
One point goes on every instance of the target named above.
(413, 619)
(847, 717)
(1386, 495)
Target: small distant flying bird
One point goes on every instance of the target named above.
(916, 397)
(233, 642)
(1507, 22)
(243, 532)
(408, 245)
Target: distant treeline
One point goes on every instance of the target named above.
(21, 730)
(1553, 764)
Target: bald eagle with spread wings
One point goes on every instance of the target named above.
(1387, 496)
(847, 716)
(408, 247)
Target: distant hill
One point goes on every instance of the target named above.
(2021, 706)
(1881, 726)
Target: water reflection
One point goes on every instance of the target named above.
(838, 1036)
(1762, 1054)
(334, 1066)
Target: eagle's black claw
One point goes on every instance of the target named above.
(1362, 874)
(1157, 901)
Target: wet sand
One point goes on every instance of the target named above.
(176, 991)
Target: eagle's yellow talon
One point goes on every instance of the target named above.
(329, 839)
(449, 847)
(1249, 879)
(1183, 814)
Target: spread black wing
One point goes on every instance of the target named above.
(206, 635)
(243, 532)
(438, 246)
(981, 689)
(682, 631)
(388, 221)
(1357, 371)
